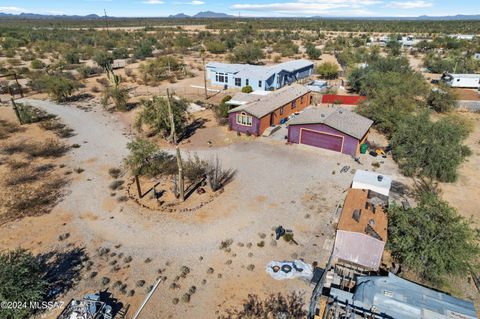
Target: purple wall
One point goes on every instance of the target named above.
(349, 144)
(232, 123)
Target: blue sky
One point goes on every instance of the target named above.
(159, 8)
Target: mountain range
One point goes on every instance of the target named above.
(217, 15)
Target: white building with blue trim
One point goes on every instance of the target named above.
(259, 77)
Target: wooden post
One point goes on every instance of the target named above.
(139, 189)
(173, 134)
(17, 113)
(18, 85)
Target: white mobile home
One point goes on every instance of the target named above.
(462, 80)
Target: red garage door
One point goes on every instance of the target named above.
(320, 139)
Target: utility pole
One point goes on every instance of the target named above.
(106, 21)
(173, 135)
(202, 53)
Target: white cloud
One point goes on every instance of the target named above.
(12, 10)
(409, 4)
(311, 7)
(153, 2)
(196, 2)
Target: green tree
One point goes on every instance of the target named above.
(22, 280)
(162, 68)
(155, 114)
(104, 60)
(143, 50)
(430, 149)
(312, 52)
(442, 99)
(146, 159)
(216, 47)
(246, 53)
(221, 110)
(120, 53)
(72, 57)
(117, 94)
(394, 46)
(59, 87)
(327, 70)
(431, 239)
(37, 64)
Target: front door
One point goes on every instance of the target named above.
(272, 119)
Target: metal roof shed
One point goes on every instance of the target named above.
(373, 181)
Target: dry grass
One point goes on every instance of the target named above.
(8, 128)
(32, 200)
(49, 148)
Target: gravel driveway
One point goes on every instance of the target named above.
(276, 184)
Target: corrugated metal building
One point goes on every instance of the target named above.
(394, 297)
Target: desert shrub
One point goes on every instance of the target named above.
(37, 64)
(49, 148)
(162, 68)
(216, 47)
(59, 87)
(142, 51)
(290, 306)
(72, 57)
(27, 200)
(194, 168)
(120, 53)
(217, 176)
(247, 89)
(8, 128)
(114, 172)
(246, 53)
(221, 110)
(103, 59)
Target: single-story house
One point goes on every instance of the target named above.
(255, 116)
(333, 129)
(259, 77)
(372, 181)
(362, 230)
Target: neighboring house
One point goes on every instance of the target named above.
(255, 116)
(337, 130)
(362, 230)
(318, 86)
(409, 41)
(468, 37)
(373, 181)
(259, 77)
(462, 80)
(393, 297)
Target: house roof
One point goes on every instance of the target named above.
(340, 119)
(241, 98)
(464, 75)
(400, 298)
(270, 102)
(373, 181)
(357, 217)
(359, 248)
(261, 72)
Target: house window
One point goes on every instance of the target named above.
(281, 110)
(244, 119)
(247, 82)
(294, 104)
(238, 82)
(259, 84)
(221, 77)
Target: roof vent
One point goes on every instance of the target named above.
(340, 111)
(322, 115)
(380, 178)
(371, 222)
(356, 215)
